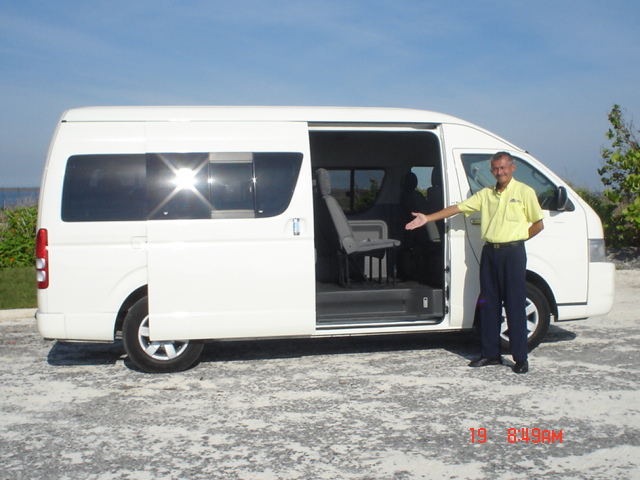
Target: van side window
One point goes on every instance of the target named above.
(160, 186)
(478, 170)
(177, 186)
(356, 190)
(102, 188)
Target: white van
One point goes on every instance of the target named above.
(170, 226)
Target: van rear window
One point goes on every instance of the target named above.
(157, 186)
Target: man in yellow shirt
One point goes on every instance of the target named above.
(510, 214)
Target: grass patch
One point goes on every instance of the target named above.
(18, 288)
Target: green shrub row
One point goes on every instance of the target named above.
(18, 236)
(618, 232)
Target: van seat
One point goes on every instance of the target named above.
(348, 246)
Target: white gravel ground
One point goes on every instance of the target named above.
(368, 408)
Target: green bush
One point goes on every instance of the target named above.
(18, 236)
(616, 233)
(620, 173)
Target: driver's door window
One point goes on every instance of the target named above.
(477, 167)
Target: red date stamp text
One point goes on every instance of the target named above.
(524, 434)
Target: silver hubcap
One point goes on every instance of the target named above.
(163, 351)
(533, 318)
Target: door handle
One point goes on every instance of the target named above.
(296, 227)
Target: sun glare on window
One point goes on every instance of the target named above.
(185, 178)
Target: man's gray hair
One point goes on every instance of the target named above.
(500, 155)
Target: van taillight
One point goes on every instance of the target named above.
(42, 258)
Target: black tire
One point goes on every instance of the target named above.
(538, 319)
(155, 357)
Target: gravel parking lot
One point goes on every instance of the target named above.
(397, 407)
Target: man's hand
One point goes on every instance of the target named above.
(422, 219)
(535, 228)
(419, 221)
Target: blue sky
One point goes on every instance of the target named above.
(543, 74)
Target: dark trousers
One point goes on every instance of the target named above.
(503, 282)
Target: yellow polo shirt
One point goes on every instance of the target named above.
(505, 216)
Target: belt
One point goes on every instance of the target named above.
(505, 245)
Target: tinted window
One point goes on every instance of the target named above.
(478, 170)
(424, 176)
(276, 175)
(104, 188)
(178, 186)
(357, 189)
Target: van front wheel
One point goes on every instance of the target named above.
(155, 356)
(538, 319)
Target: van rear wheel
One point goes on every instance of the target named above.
(538, 319)
(155, 356)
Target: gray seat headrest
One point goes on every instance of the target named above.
(323, 182)
(409, 182)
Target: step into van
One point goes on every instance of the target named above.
(172, 226)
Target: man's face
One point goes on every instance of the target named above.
(502, 169)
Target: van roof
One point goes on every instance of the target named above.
(331, 116)
(256, 113)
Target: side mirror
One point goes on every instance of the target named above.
(561, 199)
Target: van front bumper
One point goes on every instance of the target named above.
(602, 279)
(600, 293)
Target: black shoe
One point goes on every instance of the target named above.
(484, 362)
(521, 367)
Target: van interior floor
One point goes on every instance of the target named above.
(376, 304)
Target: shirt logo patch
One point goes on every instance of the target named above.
(515, 200)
